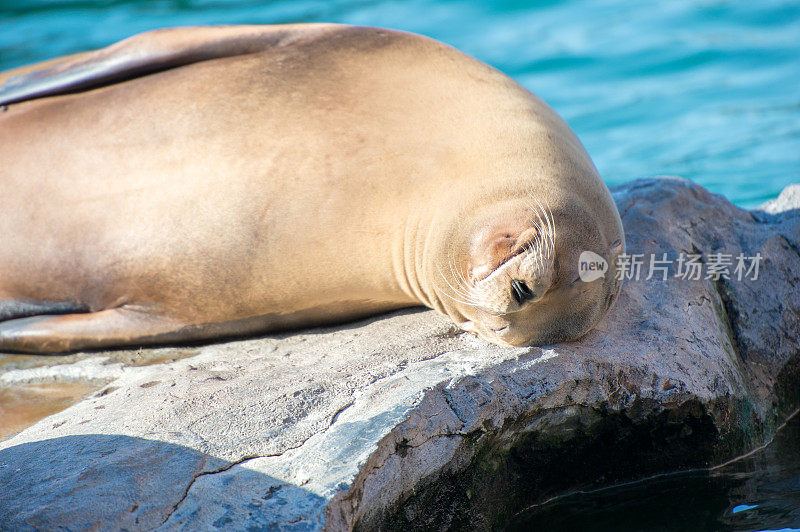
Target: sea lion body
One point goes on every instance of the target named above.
(319, 175)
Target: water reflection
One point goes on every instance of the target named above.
(22, 405)
(25, 402)
(760, 492)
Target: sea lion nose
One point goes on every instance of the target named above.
(521, 291)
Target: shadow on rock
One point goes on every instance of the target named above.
(119, 482)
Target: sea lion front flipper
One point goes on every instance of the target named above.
(147, 53)
(71, 332)
(12, 309)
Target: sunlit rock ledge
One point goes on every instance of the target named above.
(403, 422)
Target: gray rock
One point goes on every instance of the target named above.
(402, 421)
(788, 199)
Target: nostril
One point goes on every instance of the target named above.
(521, 291)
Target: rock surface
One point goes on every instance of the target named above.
(401, 421)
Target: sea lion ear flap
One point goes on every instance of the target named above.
(615, 250)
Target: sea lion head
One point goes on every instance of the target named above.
(532, 273)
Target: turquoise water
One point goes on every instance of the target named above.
(709, 90)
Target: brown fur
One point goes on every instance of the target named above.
(325, 176)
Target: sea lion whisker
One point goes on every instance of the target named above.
(457, 272)
(461, 291)
(532, 249)
(444, 292)
(469, 285)
(468, 303)
(466, 293)
(536, 246)
(464, 287)
(454, 289)
(461, 301)
(471, 299)
(540, 231)
(550, 224)
(535, 207)
(542, 227)
(536, 251)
